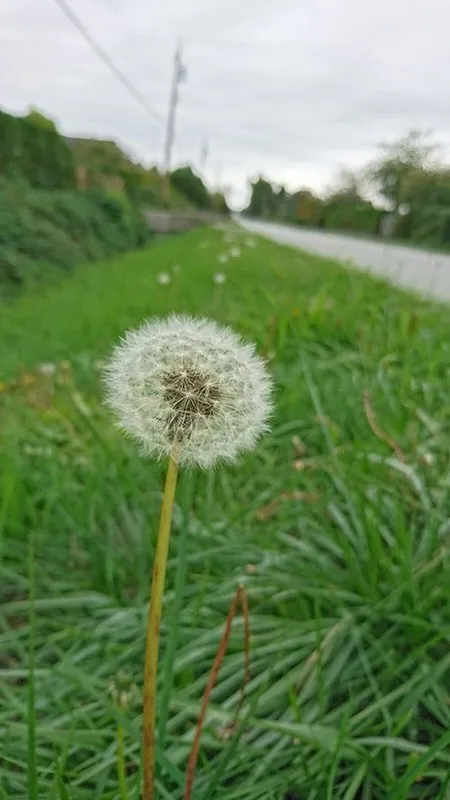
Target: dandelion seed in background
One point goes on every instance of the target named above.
(223, 258)
(219, 277)
(47, 369)
(32, 450)
(164, 278)
(235, 252)
(123, 690)
(250, 242)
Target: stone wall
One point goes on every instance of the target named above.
(161, 221)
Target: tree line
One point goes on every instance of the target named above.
(404, 194)
(34, 152)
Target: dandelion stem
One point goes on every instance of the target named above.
(153, 630)
(121, 768)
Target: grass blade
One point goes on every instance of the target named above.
(401, 790)
(33, 789)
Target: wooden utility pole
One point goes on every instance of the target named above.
(204, 154)
(179, 75)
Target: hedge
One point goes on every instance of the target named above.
(47, 232)
(359, 217)
(36, 153)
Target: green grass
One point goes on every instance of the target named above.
(348, 583)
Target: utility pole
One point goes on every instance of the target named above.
(218, 176)
(179, 75)
(204, 154)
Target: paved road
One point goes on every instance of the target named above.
(427, 273)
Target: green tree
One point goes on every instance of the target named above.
(191, 185)
(307, 208)
(345, 209)
(219, 203)
(264, 199)
(35, 117)
(392, 173)
(427, 202)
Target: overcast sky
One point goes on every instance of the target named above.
(293, 89)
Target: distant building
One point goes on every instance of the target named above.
(99, 162)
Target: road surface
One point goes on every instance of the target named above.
(425, 272)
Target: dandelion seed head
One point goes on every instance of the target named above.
(219, 277)
(235, 252)
(164, 278)
(47, 369)
(188, 385)
(222, 258)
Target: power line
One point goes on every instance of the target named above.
(180, 73)
(103, 55)
(136, 94)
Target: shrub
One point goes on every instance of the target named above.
(433, 227)
(36, 152)
(192, 186)
(43, 232)
(346, 212)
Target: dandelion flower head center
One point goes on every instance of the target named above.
(191, 396)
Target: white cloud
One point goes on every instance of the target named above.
(294, 89)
